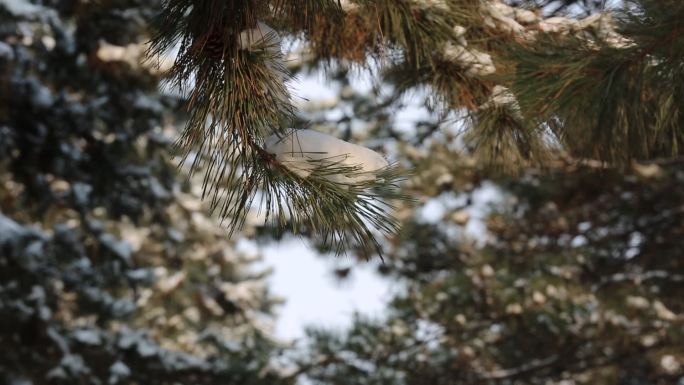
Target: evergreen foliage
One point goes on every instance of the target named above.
(110, 269)
(609, 98)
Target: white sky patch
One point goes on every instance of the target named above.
(313, 88)
(312, 295)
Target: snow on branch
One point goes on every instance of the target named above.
(303, 151)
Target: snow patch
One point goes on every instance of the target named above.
(303, 151)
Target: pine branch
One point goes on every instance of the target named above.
(606, 97)
(529, 366)
(363, 29)
(232, 66)
(304, 15)
(500, 137)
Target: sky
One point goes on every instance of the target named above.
(313, 295)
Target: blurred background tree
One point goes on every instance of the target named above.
(113, 272)
(577, 280)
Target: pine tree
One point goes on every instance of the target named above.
(111, 271)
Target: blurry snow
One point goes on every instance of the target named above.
(22, 8)
(483, 199)
(6, 51)
(576, 9)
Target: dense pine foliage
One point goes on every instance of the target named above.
(566, 114)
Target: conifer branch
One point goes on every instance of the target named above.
(232, 66)
(608, 96)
